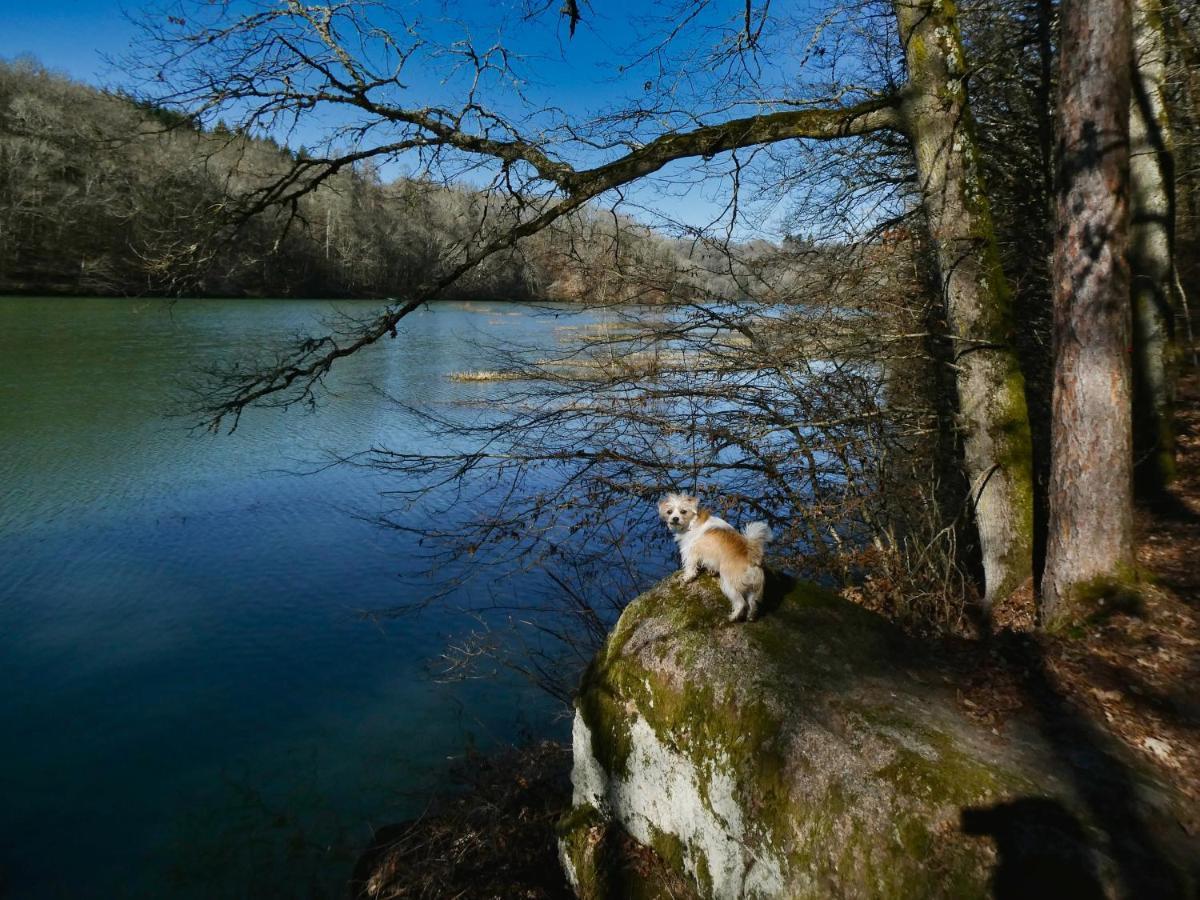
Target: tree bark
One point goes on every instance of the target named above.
(1151, 254)
(1090, 540)
(997, 449)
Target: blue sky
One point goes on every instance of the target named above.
(68, 36)
(78, 37)
(75, 37)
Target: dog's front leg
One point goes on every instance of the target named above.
(691, 570)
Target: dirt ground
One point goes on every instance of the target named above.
(1130, 671)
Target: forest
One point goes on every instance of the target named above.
(102, 194)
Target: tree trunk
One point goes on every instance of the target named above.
(1045, 95)
(1151, 254)
(997, 453)
(1090, 540)
(1183, 51)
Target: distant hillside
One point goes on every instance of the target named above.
(100, 195)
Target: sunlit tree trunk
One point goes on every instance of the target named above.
(1151, 253)
(991, 390)
(1090, 540)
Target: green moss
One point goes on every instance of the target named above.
(1152, 11)
(951, 777)
(614, 678)
(1096, 590)
(950, 866)
(1014, 441)
(605, 870)
(918, 53)
(606, 718)
(948, 860)
(674, 853)
(578, 819)
(1097, 599)
(583, 836)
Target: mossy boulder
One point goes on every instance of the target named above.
(812, 753)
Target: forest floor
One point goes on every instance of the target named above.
(1116, 692)
(1129, 670)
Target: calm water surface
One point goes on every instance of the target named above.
(190, 702)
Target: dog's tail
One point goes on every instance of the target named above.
(758, 533)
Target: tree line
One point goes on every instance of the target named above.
(103, 194)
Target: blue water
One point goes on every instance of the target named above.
(192, 703)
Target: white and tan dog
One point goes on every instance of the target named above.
(708, 542)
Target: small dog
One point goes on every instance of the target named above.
(708, 542)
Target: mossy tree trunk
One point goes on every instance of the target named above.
(997, 452)
(1090, 538)
(1151, 253)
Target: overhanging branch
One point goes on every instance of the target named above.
(300, 370)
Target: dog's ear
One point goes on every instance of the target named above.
(663, 504)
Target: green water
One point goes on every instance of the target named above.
(192, 704)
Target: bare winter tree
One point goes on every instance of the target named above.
(277, 63)
(997, 446)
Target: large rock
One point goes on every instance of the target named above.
(814, 754)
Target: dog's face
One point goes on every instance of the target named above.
(678, 511)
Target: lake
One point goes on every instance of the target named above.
(193, 703)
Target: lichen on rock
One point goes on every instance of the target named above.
(802, 755)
